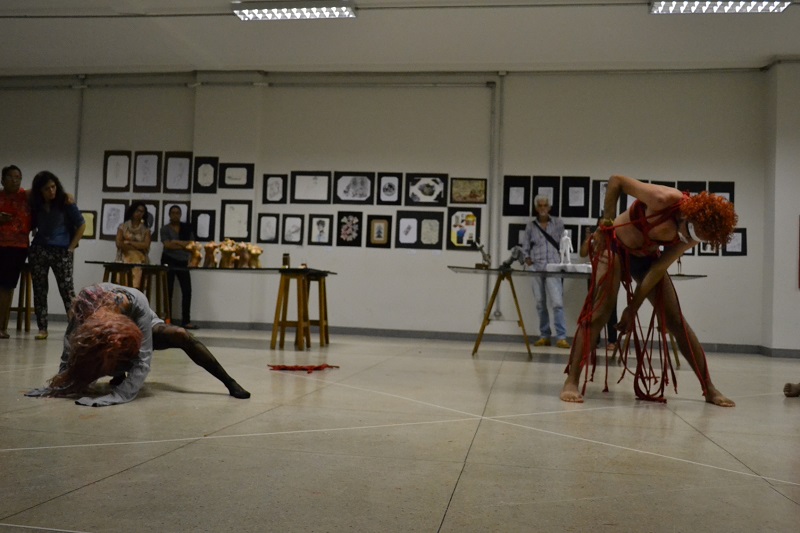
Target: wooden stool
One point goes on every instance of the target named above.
(303, 337)
(119, 273)
(319, 277)
(156, 275)
(24, 307)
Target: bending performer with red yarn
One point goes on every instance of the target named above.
(625, 249)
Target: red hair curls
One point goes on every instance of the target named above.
(712, 215)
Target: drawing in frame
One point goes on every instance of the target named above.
(706, 249)
(184, 206)
(516, 235)
(463, 228)
(147, 172)
(379, 231)
(390, 188)
(419, 229)
(116, 171)
(204, 180)
(178, 172)
(468, 190)
(152, 217)
(575, 196)
(516, 196)
(349, 228)
(320, 230)
(738, 243)
(309, 187)
(90, 217)
(354, 188)
(292, 229)
(549, 186)
(269, 225)
(236, 217)
(273, 188)
(236, 175)
(426, 190)
(599, 188)
(204, 224)
(722, 188)
(112, 214)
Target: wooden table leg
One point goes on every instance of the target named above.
(519, 314)
(279, 306)
(488, 313)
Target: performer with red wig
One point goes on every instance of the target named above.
(628, 247)
(112, 332)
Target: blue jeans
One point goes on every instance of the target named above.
(550, 290)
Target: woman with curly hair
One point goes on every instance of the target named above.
(133, 240)
(629, 247)
(112, 332)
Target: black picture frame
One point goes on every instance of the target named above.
(90, 218)
(204, 224)
(273, 188)
(664, 183)
(463, 228)
(575, 196)
(426, 190)
(599, 188)
(516, 196)
(549, 186)
(725, 189)
(585, 231)
(349, 228)
(516, 235)
(706, 250)
(320, 230)
(178, 172)
(692, 187)
(354, 188)
(379, 231)
(389, 189)
(311, 187)
(236, 220)
(419, 229)
(116, 171)
(236, 175)
(204, 175)
(292, 229)
(112, 214)
(153, 207)
(147, 171)
(268, 230)
(468, 190)
(737, 246)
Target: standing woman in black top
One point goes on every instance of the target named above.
(176, 236)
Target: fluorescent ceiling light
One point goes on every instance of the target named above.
(718, 6)
(294, 10)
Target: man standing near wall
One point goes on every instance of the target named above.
(540, 248)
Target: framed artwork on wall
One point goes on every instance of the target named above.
(147, 172)
(516, 196)
(320, 230)
(419, 229)
(704, 249)
(549, 186)
(464, 228)
(182, 204)
(292, 229)
(152, 217)
(273, 188)
(236, 175)
(349, 228)
(311, 187)
(516, 235)
(390, 188)
(692, 187)
(204, 224)
(353, 187)
(236, 218)
(468, 190)
(426, 190)
(585, 230)
(722, 188)
(269, 226)
(599, 188)
(737, 244)
(112, 214)
(575, 196)
(204, 180)
(116, 171)
(91, 225)
(178, 172)
(379, 231)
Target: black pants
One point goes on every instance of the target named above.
(180, 271)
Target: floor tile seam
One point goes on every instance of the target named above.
(39, 528)
(649, 453)
(25, 368)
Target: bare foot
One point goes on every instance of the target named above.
(791, 390)
(570, 393)
(717, 398)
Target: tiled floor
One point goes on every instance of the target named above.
(405, 436)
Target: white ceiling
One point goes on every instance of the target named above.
(39, 37)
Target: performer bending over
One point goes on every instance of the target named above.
(112, 332)
(627, 246)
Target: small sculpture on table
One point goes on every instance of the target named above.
(565, 248)
(210, 259)
(255, 252)
(243, 255)
(486, 258)
(227, 252)
(196, 256)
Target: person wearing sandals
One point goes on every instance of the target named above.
(176, 236)
(15, 231)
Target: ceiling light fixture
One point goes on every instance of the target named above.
(718, 7)
(294, 10)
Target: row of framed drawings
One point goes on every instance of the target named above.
(181, 172)
(578, 233)
(583, 197)
(411, 229)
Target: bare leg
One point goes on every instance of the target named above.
(791, 390)
(688, 344)
(165, 336)
(605, 300)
